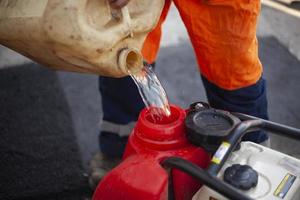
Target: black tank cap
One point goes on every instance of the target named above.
(208, 127)
(242, 177)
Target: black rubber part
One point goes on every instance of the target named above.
(242, 177)
(203, 177)
(209, 127)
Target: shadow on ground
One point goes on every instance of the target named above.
(295, 5)
(38, 149)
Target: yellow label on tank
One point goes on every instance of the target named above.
(22, 8)
(219, 155)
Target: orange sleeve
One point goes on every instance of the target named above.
(152, 42)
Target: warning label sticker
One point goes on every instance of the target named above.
(284, 186)
(219, 155)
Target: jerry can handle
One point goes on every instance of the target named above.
(127, 19)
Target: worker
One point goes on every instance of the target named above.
(223, 35)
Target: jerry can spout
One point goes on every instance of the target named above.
(130, 60)
(165, 134)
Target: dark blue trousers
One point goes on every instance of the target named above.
(122, 103)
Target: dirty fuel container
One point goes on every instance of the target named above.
(81, 35)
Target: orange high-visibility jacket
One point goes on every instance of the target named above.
(223, 34)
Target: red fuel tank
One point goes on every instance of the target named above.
(140, 176)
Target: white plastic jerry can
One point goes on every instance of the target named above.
(278, 175)
(79, 35)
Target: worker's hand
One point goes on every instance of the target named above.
(118, 4)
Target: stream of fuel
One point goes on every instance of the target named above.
(152, 93)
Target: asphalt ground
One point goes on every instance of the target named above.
(49, 121)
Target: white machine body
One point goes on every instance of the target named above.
(278, 174)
